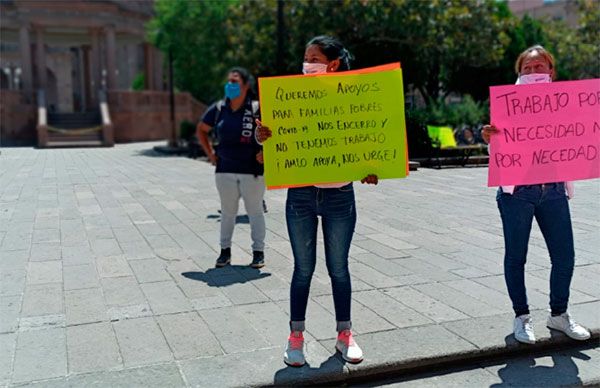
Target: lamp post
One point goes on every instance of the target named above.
(173, 135)
(280, 37)
(172, 141)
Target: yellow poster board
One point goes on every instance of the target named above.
(442, 137)
(334, 127)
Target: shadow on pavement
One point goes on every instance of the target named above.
(152, 153)
(525, 371)
(226, 276)
(549, 368)
(243, 219)
(304, 375)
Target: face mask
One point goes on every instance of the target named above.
(314, 68)
(232, 90)
(527, 79)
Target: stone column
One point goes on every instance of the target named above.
(40, 58)
(26, 64)
(96, 66)
(148, 66)
(87, 77)
(111, 58)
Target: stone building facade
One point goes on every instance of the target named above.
(70, 51)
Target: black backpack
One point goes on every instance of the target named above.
(219, 105)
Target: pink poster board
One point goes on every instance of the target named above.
(547, 133)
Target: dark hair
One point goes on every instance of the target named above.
(333, 49)
(246, 77)
(244, 74)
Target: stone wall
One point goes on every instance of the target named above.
(145, 115)
(17, 120)
(136, 116)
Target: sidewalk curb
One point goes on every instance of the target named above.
(428, 364)
(466, 358)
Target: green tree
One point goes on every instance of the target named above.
(445, 46)
(434, 40)
(577, 50)
(195, 32)
(475, 79)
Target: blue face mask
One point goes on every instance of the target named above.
(232, 90)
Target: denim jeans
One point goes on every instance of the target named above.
(338, 214)
(549, 205)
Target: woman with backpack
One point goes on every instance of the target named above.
(335, 204)
(238, 172)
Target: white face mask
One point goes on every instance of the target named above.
(527, 79)
(314, 68)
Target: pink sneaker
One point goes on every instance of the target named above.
(294, 352)
(350, 351)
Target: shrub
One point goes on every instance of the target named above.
(139, 82)
(187, 129)
(457, 115)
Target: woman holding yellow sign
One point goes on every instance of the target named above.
(336, 206)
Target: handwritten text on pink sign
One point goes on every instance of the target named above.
(548, 133)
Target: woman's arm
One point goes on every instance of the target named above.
(202, 132)
(262, 133)
(487, 132)
(370, 179)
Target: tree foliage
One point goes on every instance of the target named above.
(195, 33)
(577, 50)
(445, 46)
(432, 39)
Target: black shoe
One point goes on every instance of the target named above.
(258, 259)
(265, 210)
(224, 258)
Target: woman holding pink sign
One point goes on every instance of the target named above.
(548, 203)
(335, 204)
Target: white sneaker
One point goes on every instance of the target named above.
(567, 325)
(294, 352)
(523, 329)
(346, 345)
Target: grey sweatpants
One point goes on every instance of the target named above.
(252, 189)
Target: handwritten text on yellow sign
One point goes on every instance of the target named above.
(335, 127)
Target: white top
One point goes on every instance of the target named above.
(569, 188)
(332, 185)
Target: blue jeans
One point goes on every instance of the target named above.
(338, 215)
(549, 205)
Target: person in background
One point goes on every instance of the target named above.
(335, 204)
(548, 203)
(238, 172)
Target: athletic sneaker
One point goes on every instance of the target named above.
(523, 329)
(258, 259)
(567, 325)
(346, 345)
(294, 352)
(224, 258)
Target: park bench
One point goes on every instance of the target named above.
(443, 141)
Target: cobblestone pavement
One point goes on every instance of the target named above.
(107, 278)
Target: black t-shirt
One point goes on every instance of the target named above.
(237, 148)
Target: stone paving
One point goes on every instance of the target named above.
(107, 278)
